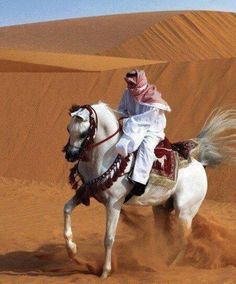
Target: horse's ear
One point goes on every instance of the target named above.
(81, 114)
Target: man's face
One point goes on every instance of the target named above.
(131, 85)
(131, 81)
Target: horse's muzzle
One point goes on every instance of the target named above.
(71, 153)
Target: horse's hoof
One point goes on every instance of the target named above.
(72, 249)
(105, 274)
(177, 260)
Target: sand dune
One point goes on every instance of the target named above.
(191, 58)
(69, 61)
(185, 37)
(17, 66)
(44, 103)
(85, 35)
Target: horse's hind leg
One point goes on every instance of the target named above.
(68, 208)
(185, 214)
(188, 197)
(185, 223)
(161, 215)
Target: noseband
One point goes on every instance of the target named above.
(90, 188)
(88, 143)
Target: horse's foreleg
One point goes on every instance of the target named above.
(68, 208)
(113, 213)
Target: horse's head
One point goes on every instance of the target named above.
(82, 130)
(79, 129)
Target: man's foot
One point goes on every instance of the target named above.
(138, 190)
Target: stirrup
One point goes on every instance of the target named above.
(130, 179)
(137, 190)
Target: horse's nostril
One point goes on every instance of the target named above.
(71, 155)
(69, 158)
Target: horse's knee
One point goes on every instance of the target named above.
(108, 241)
(67, 235)
(67, 208)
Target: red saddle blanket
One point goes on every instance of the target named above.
(166, 164)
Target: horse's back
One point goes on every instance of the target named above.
(191, 185)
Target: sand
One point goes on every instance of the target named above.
(84, 35)
(184, 37)
(66, 62)
(39, 82)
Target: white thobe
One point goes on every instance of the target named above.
(143, 130)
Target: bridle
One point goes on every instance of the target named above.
(90, 188)
(88, 143)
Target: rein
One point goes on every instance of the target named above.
(84, 190)
(104, 140)
(88, 143)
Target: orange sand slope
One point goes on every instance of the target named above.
(34, 111)
(71, 61)
(174, 36)
(85, 35)
(46, 67)
(185, 37)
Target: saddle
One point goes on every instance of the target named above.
(170, 157)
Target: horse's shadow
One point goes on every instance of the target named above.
(48, 260)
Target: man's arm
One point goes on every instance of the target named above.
(122, 109)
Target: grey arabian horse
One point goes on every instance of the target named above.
(93, 133)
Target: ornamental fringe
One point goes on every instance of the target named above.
(85, 190)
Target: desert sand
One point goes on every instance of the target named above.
(46, 67)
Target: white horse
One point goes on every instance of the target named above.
(188, 193)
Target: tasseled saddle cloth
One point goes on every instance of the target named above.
(169, 158)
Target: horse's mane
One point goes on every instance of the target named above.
(74, 108)
(114, 112)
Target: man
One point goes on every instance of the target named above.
(144, 127)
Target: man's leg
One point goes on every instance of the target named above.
(144, 160)
(143, 164)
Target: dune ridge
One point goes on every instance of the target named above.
(189, 36)
(85, 35)
(17, 66)
(68, 61)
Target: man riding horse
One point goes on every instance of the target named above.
(143, 127)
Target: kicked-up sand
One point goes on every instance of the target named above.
(190, 56)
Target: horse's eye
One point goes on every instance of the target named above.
(83, 135)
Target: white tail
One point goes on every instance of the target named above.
(217, 138)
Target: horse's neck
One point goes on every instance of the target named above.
(102, 156)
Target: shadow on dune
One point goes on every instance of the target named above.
(48, 260)
(142, 245)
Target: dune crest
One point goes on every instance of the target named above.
(189, 36)
(67, 62)
(85, 35)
